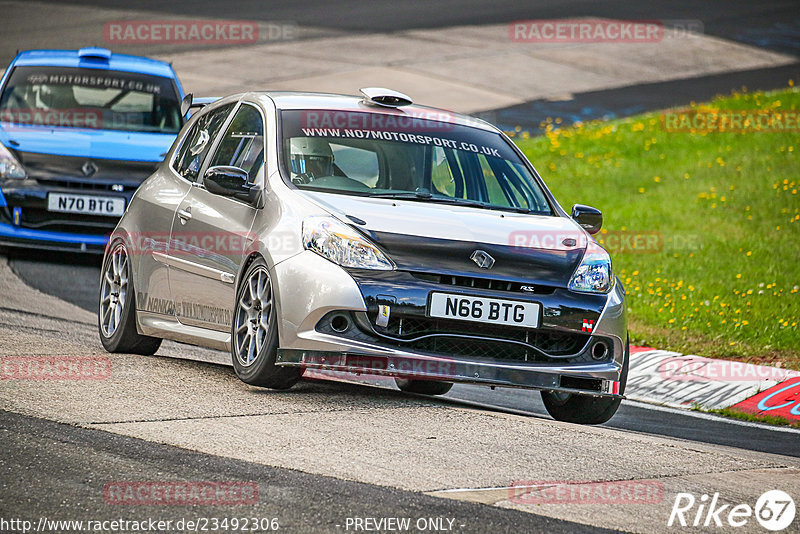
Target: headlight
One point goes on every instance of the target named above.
(9, 166)
(342, 245)
(594, 274)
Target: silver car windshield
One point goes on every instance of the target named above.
(395, 156)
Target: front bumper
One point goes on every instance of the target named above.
(600, 380)
(319, 290)
(15, 236)
(25, 220)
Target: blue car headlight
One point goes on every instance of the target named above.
(9, 166)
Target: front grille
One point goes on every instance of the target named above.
(585, 384)
(409, 328)
(41, 219)
(475, 348)
(484, 283)
(87, 185)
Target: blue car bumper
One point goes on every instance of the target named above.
(15, 236)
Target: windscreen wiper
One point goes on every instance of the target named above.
(424, 196)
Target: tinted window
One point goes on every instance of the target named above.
(198, 141)
(243, 143)
(407, 157)
(91, 98)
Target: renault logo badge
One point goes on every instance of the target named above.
(89, 168)
(482, 259)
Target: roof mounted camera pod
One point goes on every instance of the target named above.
(94, 52)
(387, 98)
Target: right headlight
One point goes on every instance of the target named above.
(342, 245)
(9, 166)
(594, 274)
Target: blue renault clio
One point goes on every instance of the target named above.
(79, 131)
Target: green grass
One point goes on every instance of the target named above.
(725, 281)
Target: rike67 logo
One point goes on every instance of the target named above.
(774, 510)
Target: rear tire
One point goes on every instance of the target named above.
(117, 307)
(254, 335)
(424, 387)
(585, 409)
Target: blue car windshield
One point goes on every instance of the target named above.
(412, 158)
(66, 97)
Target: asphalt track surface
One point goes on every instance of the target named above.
(48, 467)
(75, 278)
(773, 24)
(59, 471)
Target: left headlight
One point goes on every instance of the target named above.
(342, 245)
(594, 274)
(9, 166)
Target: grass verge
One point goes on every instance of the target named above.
(703, 226)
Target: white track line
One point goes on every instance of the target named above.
(710, 417)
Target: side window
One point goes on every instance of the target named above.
(243, 143)
(198, 141)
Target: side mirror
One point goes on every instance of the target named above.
(591, 219)
(231, 182)
(186, 104)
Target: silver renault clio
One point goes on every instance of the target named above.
(367, 235)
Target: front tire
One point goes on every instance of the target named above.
(423, 387)
(254, 336)
(585, 409)
(117, 308)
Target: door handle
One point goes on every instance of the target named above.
(185, 214)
